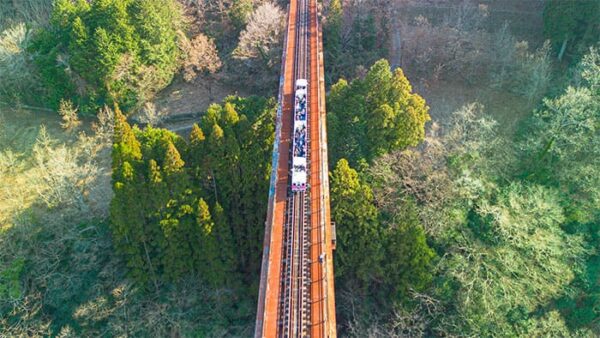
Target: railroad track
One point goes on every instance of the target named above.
(296, 288)
(294, 312)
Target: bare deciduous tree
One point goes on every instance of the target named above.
(259, 47)
(60, 179)
(454, 47)
(262, 34)
(16, 69)
(201, 56)
(105, 125)
(534, 70)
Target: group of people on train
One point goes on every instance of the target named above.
(301, 109)
(300, 141)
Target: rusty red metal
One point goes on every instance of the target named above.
(322, 321)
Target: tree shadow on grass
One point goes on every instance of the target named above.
(71, 282)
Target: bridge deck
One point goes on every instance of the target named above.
(321, 302)
(268, 303)
(322, 284)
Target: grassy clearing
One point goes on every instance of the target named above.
(67, 279)
(19, 130)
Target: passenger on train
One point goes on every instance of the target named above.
(299, 150)
(300, 115)
(300, 135)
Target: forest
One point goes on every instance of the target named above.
(135, 158)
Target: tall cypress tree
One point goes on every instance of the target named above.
(359, 252)
(132, 233)
(197, 159)
(211, 267)
(162, 207)
(126, 147)
(222, 233)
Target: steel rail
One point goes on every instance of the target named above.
(295, 285)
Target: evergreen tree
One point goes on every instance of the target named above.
(408, 258)
(160, 214)
(222, 234)
(332, 39)
(210, 265)
(172, 162)
(371, 117)
(359, 252)
(241, 132)
(133, 235)
(196, 135)
(345, 125)
(197, 158)
(126, 146)
(105, 51)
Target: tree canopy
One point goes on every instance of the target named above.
(371, 116)
(572, 23)
(181, 208)
(108, 51)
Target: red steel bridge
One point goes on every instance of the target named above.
(296, 295)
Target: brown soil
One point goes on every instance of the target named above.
(184, 102)
(182, 98)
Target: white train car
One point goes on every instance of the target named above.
(299, 145)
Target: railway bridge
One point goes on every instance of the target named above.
(296, 295)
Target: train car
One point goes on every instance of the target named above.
(299, 145)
